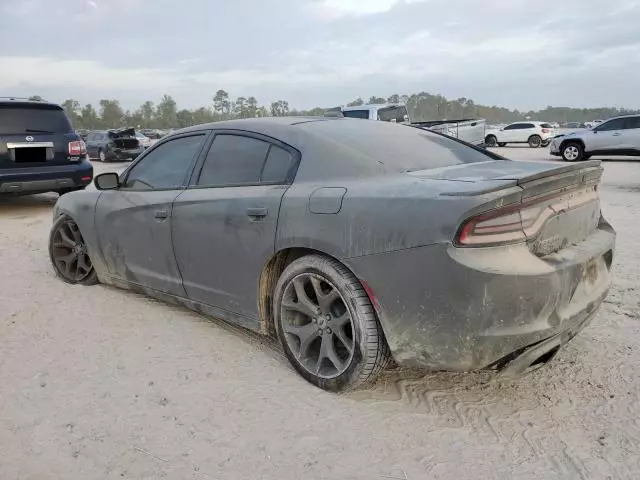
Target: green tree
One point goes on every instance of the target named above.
(166, 112)
(240, 108)
(395, 98)
(356, 103)
(147, 111)
(252, 107)
(221, 103)
(89, 117)
(72, 109)
(111, 113)
(376, 100)
(280, 108)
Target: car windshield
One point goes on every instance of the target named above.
(399, 148)
(32, 119)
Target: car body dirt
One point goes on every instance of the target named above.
(103, 383)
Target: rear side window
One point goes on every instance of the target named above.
(233, 160)
(546, 125)
(279, 166)
(513, 126)
(364, 114)
(33, 119)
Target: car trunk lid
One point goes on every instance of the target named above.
(558, 203)
(124, 138)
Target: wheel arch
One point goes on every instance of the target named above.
(566, 141)
(270, 274)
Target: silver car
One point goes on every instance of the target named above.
(353, 242)
(616, 136)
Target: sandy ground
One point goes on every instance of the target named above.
(98, 383)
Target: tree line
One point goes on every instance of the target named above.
(423, 106)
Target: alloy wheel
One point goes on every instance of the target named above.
(571, 152)
(69, 253)
(317, 325)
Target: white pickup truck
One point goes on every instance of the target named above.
(470, 130)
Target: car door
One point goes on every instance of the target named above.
(134, 221)
(509, 133)
(609, 136)
(633, 134)
(224, 224)
(90, 143)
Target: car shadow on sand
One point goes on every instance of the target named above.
(20, 207)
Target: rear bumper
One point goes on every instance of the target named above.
(126, 154)
(46, 178)
(462, 309)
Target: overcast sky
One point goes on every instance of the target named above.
(524, 54)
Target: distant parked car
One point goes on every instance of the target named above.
(353, 242)
(144, 140)
(617, 136)
(39, 150)
(536, 134)
(114, 145)
(593, 123)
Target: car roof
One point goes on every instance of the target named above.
(16, 101)
(372, 106)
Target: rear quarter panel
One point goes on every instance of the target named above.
(379, 214)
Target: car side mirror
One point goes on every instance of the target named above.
(107, 181)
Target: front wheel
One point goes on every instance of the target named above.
(68, 253)
(572, 152)
(327, 325)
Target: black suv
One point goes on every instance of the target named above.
(39, 150)
(116, 145)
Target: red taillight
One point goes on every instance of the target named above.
(520, 222)
(77, 148)
(545, 130)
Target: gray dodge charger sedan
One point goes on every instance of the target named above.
(353, 242)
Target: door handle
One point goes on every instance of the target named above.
(161, 214)
(257, 212)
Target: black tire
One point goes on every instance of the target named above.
(535, 141)
(69, 190)
(572, 152)
(491, 141)
(369, 353)
(502, 144)
(59, 249)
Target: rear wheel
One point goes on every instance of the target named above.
(68, 253)
(327, 325)
(491, 141)
(573, 152)
(535, 141)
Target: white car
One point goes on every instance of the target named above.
(144, 141)
(536, 134)
(593, 124)
(616, 136)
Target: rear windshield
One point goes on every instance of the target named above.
(399, 148)
(356, 114)
(33, 119)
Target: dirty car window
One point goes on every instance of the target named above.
(166, 166)
(399, 148)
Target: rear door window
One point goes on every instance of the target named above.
(233, 160)
(633, 122)
(513, 126)
(33, 119)
(546, 125)
(615, 124)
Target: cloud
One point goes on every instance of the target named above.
(323, 52)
